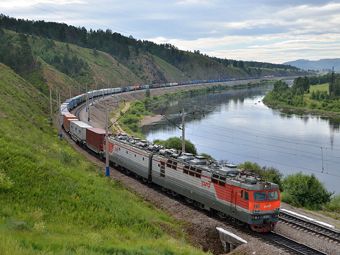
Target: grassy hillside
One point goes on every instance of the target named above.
(52, 201)
(126, 60)
(91, 67)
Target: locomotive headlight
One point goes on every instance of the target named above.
(256, 217)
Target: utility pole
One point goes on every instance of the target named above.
(107, 166)
(51, 107)
(331, 86)
(183, 131)
(87, 106)
(70, 92)
(59, 122)
(88, 112)
(322, 167)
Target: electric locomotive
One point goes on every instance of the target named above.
(214, 187)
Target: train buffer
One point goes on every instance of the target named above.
(229, 240)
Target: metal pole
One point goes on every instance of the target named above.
(51, 106)
(88, 112)
(107, 166)
(59, 121)
(86, 100)
(183, 131)
(322, 160)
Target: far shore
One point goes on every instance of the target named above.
(151, 119)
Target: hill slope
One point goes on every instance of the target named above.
(142, 61)
(53, 201)
(322, 64)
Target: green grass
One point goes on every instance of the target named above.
(171, 73)
(324, 107)
(103, 69)
(320, 87)
(58, 202)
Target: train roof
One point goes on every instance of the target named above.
(222, 170)
(99, 131)
(81, 124)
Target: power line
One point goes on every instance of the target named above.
(242, 144)
(269, 145)
(262, 134)
(271, 161)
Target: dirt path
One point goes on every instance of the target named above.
(115, 125)
(149, 120)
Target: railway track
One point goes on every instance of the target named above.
(276, 239)
(309, 226)
(291, 245)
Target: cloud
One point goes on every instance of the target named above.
(10, 4)
(264, 30)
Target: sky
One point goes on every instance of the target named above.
(262, 30)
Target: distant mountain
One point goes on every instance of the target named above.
(322, 64)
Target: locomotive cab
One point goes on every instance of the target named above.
(264, 207)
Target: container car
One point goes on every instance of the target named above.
(95, 140)
(67, 118)
(78, 131)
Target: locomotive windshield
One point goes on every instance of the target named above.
(265, 196)
(273, 195)
(260, 196)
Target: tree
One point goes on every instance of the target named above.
(336, 87)
(280, 86)
(176, 143)
(95, 52)
(301, 84)
(147, 93)
(269, 174)
(305, 190)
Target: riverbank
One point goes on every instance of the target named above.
(289, 109)
(314, 102)
(200, 223)
(146, 111)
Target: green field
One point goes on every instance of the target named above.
(305, 103)
(53, 201)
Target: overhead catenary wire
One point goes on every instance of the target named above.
(278, 151)
(262, 134)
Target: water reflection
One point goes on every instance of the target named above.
(236, 125)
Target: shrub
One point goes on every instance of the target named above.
(176, 143)
(305, 190)
(334, 204)
(269, 174)
(5, 181)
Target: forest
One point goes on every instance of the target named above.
(123, 47)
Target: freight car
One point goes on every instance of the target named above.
(211, 186)
(78, 131)
(95, 140)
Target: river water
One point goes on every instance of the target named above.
(235, 125)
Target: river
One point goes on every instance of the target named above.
(235, 125)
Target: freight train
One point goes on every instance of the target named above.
(212, 186)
